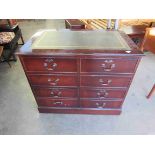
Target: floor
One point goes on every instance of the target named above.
(18, 109)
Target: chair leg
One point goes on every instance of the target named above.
(22, 40)
(14, 57)
(6, 61)
(9, 63)
(12, 54)
(151, 92)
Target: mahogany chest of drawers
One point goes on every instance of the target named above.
(82, 72)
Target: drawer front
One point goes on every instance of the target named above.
(102, 93)
(50, 64)
(55, 92)
(108, 65)
(100, 104)
(53, 80)
(105, 81)
(57, 103)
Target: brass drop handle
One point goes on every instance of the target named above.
(102, 94)
(103, 83)
(54, 65)
(54, 82)
(55, 94)
(101, 105)
(108, 65)
(58, 103)
(49, 60)
(108, 69)
(49, 64)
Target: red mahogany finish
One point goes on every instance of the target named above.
(50, 64)
(100, 66)
(102, 93)
(53, 80)
(107, 111)
(55, 92)
(100, 104)
(58, 102)
(77, 74)
(105, 81)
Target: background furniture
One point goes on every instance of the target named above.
(93, 24)
(14, 33)
(74, 24)
(149, 40)
(115, 23)
(76, 72)
(149, 45)
(7, 23)
(135, 32)
(130, 22)
(1, 51)
(152, 24)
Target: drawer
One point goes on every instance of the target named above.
(108, 65)
(57, 103)
(100, 104)
(55, 92)
(53, 80)
(102, 93)
(105, 81)
(34, 64)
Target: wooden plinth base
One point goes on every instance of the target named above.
(80, 111)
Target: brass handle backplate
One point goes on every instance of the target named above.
(53, 82)
(58, 103)
(55, 93)
(108, 65)
(103, 83)
(49, 64)
(102, 94)
(100, 105)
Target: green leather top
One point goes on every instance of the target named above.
(100, 39)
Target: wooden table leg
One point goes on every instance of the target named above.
(151, 92)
